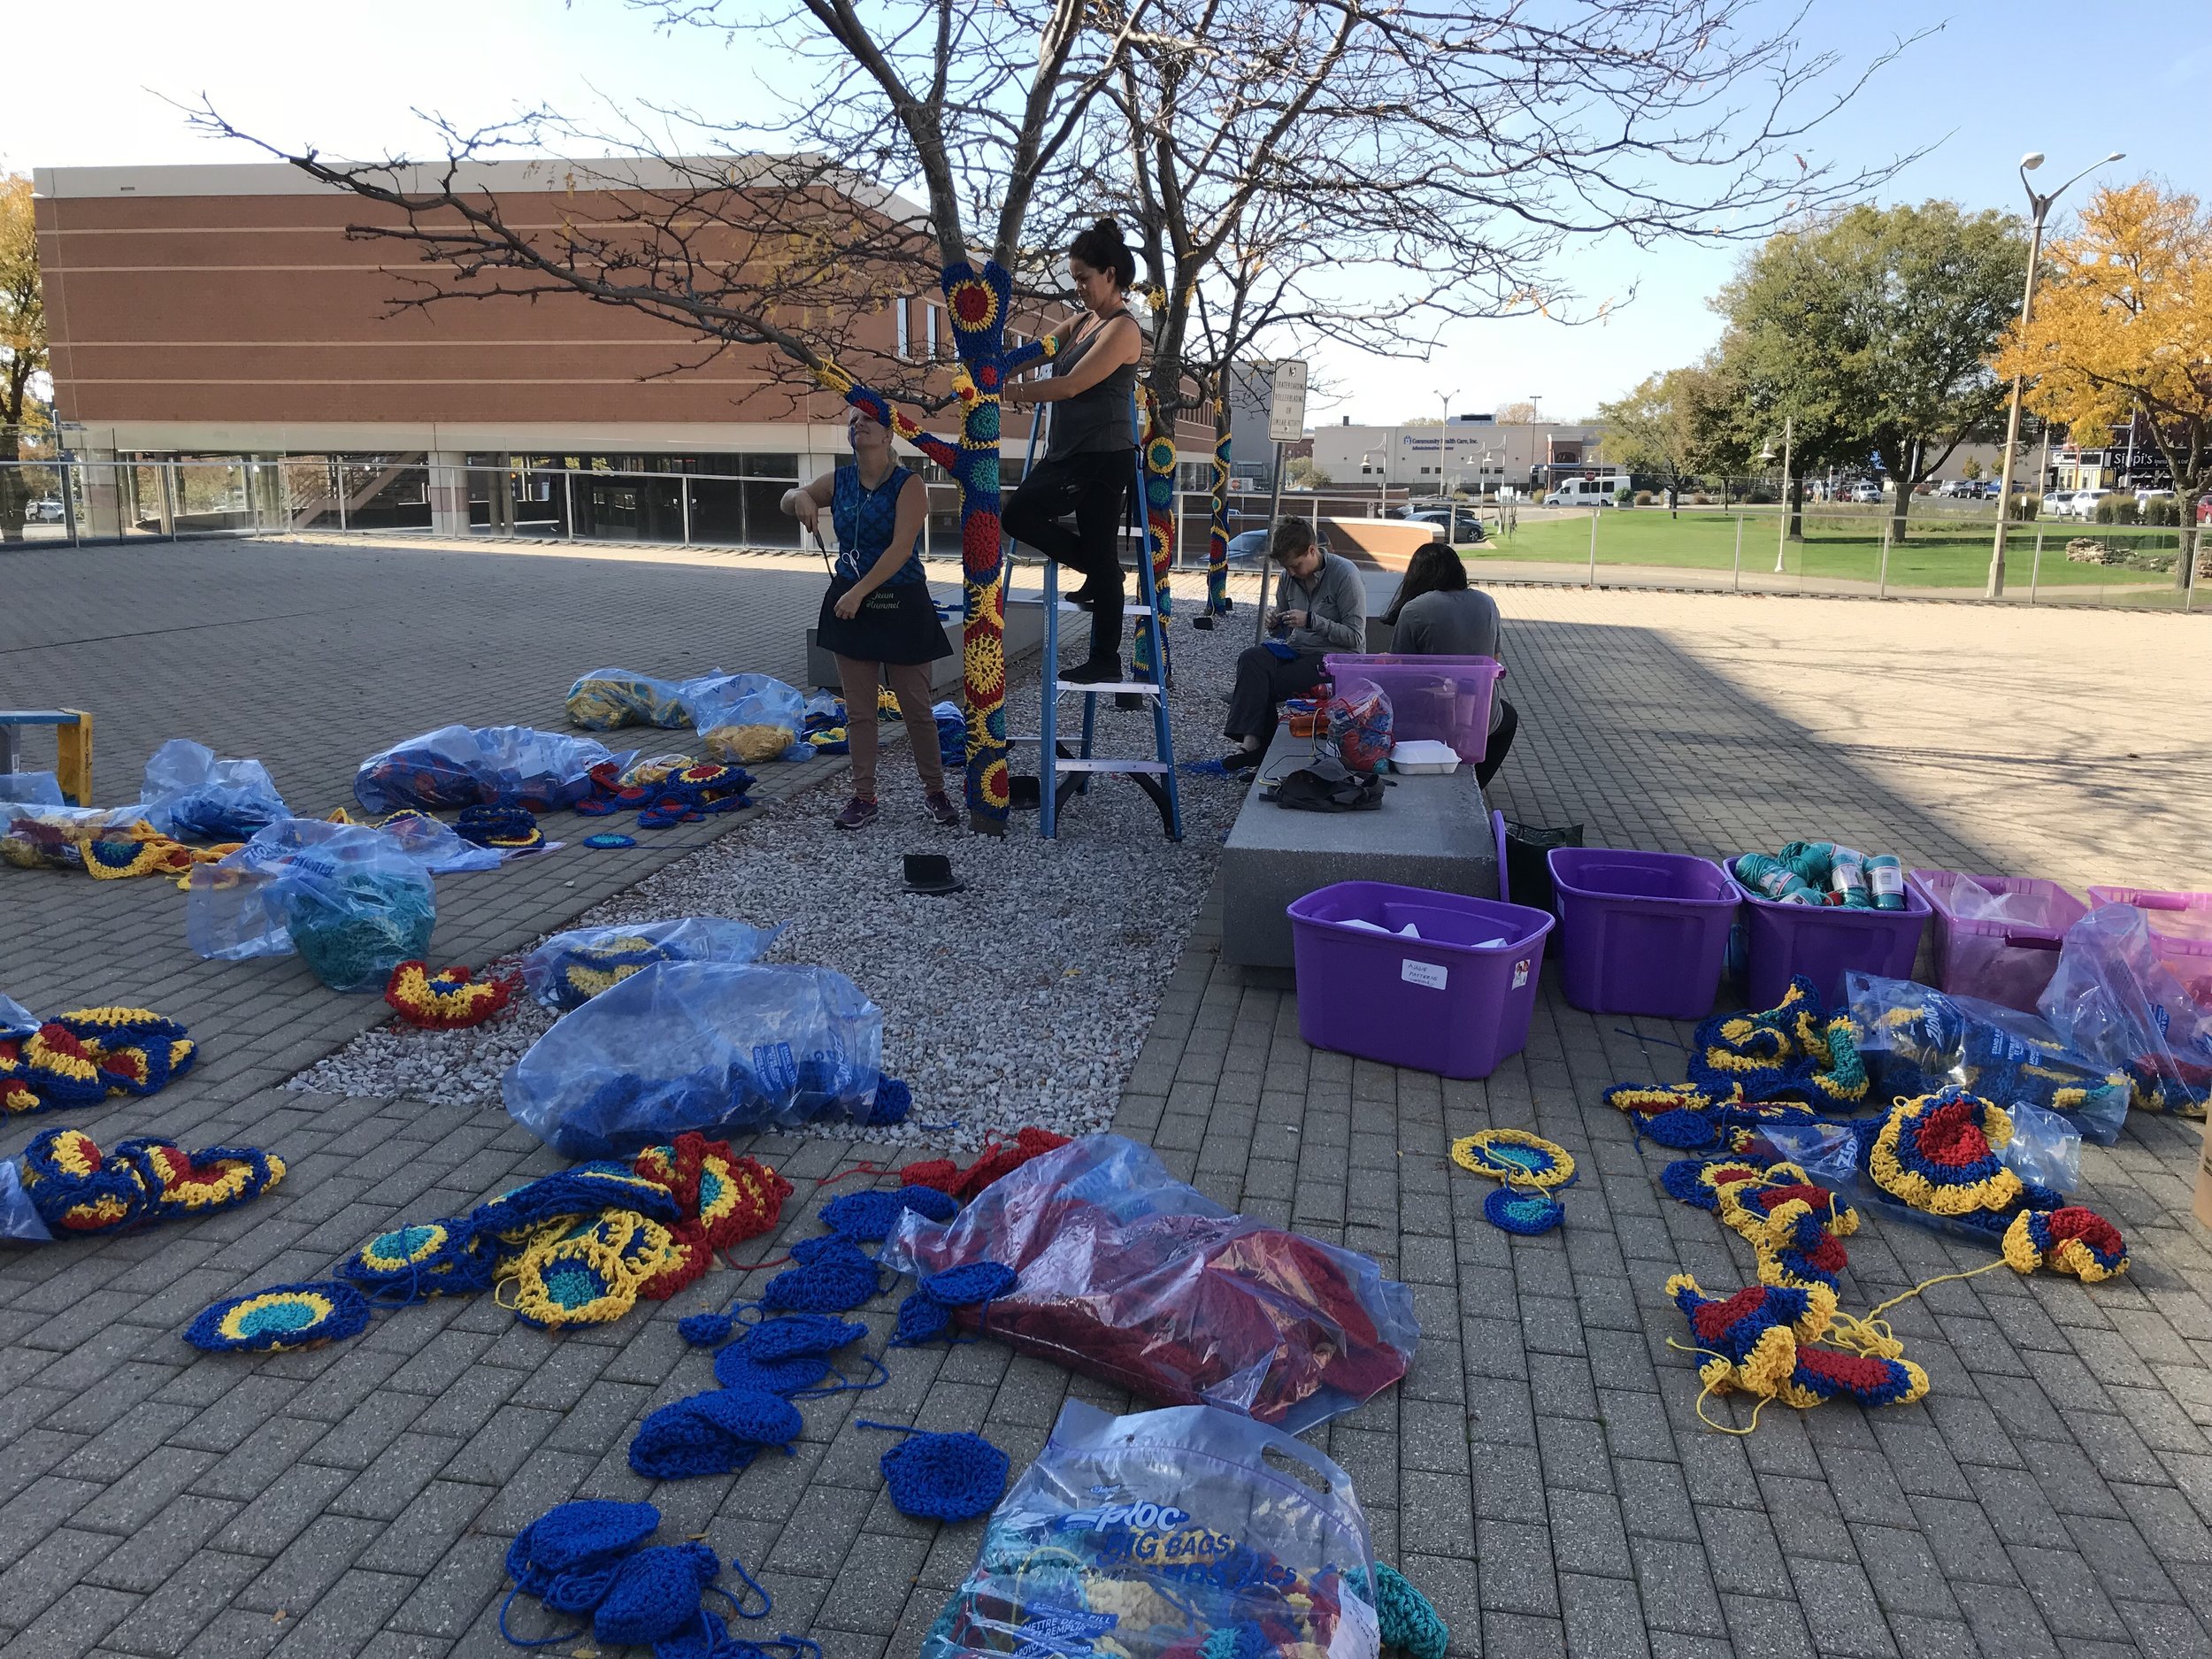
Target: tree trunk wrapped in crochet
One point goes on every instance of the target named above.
(976, 301)
(1218, 525)
(1158, 436)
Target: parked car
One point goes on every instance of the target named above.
(1866, 490)
(2204, 509)
(44, 511)
(2058, 504)
(1459, 526)
(2084, 505)
(1251, 546)
(1959, 489)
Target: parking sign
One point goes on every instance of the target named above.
(1286, 404)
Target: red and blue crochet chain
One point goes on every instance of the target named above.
(976, 301)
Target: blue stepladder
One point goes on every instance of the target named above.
(1060, 774)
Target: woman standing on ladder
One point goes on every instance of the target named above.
(1091, 460)
(877, 615)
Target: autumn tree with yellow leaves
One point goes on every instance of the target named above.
(22, 344)
(2122, 330)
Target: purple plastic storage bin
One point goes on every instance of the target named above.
(1447, 698)
(1454, 1001)
(1824, 943)
(1998, 961)
(1641, 933)
(2181, 932)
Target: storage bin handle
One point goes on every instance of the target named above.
(2033, 942)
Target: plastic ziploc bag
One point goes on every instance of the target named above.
(570, 969)
(607, 698)
(20, 1218)
(1916, 1041)
(240, 907)
(30, 789)
(191, 795)
(1131, 1276)
(1155, 1536)
(491, 766)
(748, 718)
(15, 1019)
(711, 1046)
(2113, 999)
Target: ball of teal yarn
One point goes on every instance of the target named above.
(354, 930)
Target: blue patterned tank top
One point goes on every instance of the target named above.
(864, 519)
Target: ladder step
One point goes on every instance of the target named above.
(1156, 767)
(1141, 688)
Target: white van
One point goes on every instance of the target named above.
(1585, 492)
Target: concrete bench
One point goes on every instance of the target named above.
(1429, 832)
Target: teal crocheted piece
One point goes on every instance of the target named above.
(1409, 1620)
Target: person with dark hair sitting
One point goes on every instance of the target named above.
(1322, 608)
(1435, 613)
(1090, 462)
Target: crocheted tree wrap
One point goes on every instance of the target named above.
(996, 1160)
(717, 1432)
(1158, 443)
(1409, 1620)
(942, 1476)
(1793, 1050)
(1218, 518)
(1938, 1153)
(448, 1000)
(75, 1187)
(281, 1317)
(1515, 1156)
(2073, 1240)
(976, 301)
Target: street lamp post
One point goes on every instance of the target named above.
(1782, 536)
(2040, 208)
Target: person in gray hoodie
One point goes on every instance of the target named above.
(1321, 607)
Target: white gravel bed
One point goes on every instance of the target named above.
(1022, 999)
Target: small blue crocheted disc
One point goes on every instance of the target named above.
(945, 1477)
(868, 1217)
(573, 1537)
(655, 1593)
(717, 1432)
(610, 840)
(734, 1368)
(970, 1283)
(774, 1340)
(1681, 1128)
(921, 1318)
(1525, 1213)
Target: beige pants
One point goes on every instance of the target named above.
(909, 683)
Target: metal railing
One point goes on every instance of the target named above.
(1837, 548)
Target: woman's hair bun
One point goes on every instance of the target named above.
(1109, 230)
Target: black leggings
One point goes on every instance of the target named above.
(1500, 741)
(1096, 488)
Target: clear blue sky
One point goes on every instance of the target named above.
(91, 98)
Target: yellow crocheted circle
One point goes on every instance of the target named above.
(1515, 1158)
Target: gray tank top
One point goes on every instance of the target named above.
(1097, 420)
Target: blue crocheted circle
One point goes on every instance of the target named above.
(893, 1101)
(942, 1477)
(610, 840)
(1681, 1128)
(774, 1340)
(1525, 1213)
(717, 1432)
(868, 1217)
(969, 1283)
(921, 1318)
(279, 1317)
(575, 1537)
(734, 1368)
(822, 1286)
(655, 1593)
(705, 1330)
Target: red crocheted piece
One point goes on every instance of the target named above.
(1831, 1371)
(1714, 1320)
(2078, 1221)
(998, 1159)
(1950, 1135)
(759, 1191)
(1174, 1306)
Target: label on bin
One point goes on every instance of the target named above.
(1432, 974)
(1520, 973)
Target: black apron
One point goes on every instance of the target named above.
(896, 623)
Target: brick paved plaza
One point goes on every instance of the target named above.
(1541, 1474)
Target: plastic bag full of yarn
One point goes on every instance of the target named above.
(358, 911)
(190, 794)
(1916, 1041)
(2114, 999)
(571, 968)
(607, 698)
(748, 718)
(1174, 1533)
(492, 765)
(238, 907)
(1355, 729)
(1127, 1274)
(714, 1046)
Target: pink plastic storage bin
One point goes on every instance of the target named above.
(1641, 933)
(1456, 1000)
(1824, 942)
(1447, 698)
(2006, 962)
(2181, 930)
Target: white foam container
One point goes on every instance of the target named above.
(1424, 755)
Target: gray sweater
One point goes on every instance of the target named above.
(1458, 622)
(1335, 607)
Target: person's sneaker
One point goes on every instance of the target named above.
(940, 810)
(858, 814)
(1098, 671)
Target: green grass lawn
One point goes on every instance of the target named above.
(1939, 552)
